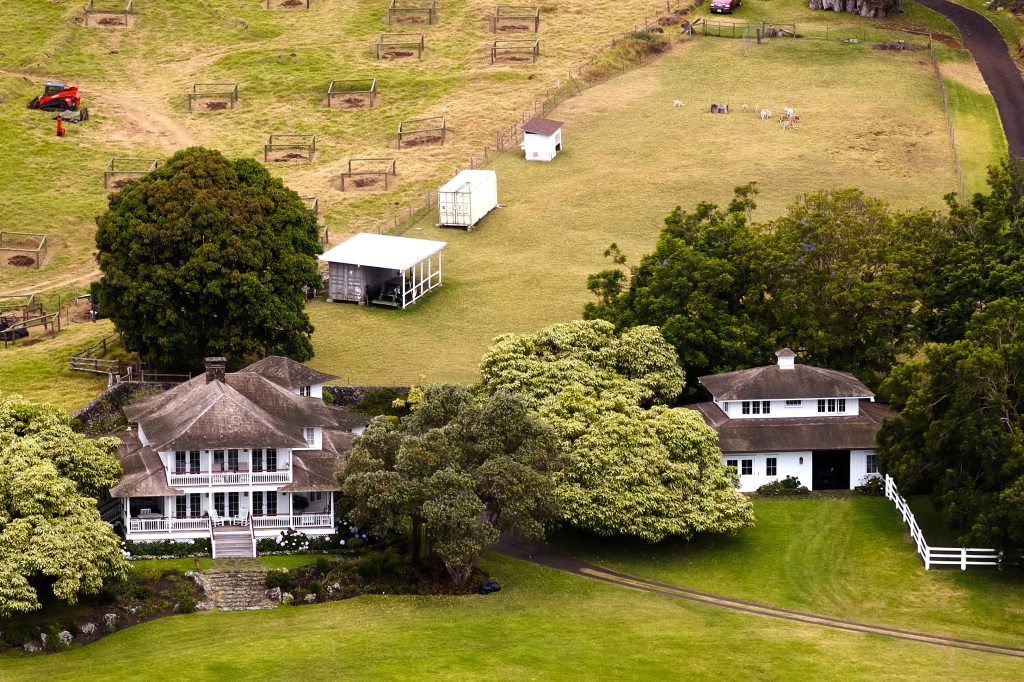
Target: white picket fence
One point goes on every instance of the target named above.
(938, 556)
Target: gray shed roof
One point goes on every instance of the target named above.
(542, 126)
(772, 382)
(796, 434)
(287, 372)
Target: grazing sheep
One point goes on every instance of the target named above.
(744, 108)
(677, 104)
(766, 114)
(787, 124)
(788, 111)
(795, 120)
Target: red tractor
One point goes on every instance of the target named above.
(57, 97)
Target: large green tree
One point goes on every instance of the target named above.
(632, 465)
(452, 475)
(208, 256)
(837, 278)
(960, 433)
(51, 533)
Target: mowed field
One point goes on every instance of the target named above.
(842, 557)
(630, 157)
(870, 118)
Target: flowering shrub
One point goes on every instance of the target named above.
(292, 541)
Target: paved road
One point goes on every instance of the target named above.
(539, 553)
(989, 50)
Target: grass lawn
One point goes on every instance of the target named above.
(629, 158)
(847, 558)
(542, 625)
(39, 371)
(284, 561)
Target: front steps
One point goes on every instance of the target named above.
(232, 541)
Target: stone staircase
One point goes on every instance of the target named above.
(232, 541)
(235, 585)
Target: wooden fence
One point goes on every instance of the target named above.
(938, 556)
(91, 359)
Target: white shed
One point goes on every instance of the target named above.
(383, 270)
(465, 199)
(542, 139)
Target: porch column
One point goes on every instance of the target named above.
(439, 274)
(403, 288)
(291, 512)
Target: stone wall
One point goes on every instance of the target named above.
(865, 8)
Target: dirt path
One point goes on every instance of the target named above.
(989, 50)
(539, 553)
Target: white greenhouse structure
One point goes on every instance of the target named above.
(377, 269)
(465, 199)
(542, 139)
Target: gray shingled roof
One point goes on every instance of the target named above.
(313, 471)
(773, 383)
(793, 434)
(144, 474)
(287, 372)
(202, 415)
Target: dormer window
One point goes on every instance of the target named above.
(832, 405)
(794, 403)
(309, 433)
(305, 391)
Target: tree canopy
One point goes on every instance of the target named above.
(452, 475)
(960, 433)
(835, 279)
(632, 465)
(207, 256)
(51, 532)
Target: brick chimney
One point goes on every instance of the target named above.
(787, 358)
(215, 368)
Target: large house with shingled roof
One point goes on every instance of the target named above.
(233, 457)
(786, 419)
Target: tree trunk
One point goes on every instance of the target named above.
(865, 8)
(417, 541)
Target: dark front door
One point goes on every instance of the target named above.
(830, 470)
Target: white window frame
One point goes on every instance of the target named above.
(766, 407)
(306, 391)
(746, 465)
(871, 463)
(771, 463)
(309, 434)
(794, 403)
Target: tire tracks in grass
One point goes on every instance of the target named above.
(544, 555)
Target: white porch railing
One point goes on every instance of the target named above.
(270, 477)
(301, 520)
(293, 521)
(189, 479)
(230, 478)
(938, 556)
(167, 524)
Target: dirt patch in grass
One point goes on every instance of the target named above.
(421, 140)
(898, 46)
(118, 184)
(349, 103)
(290, 156)
(397, 54)
(216, 106)
(111, 21)
(292, 3)
(514, 27)
(365, 182)
(948, 40)
(21, 261)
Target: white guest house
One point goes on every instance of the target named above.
(786, 419)
(233, 457)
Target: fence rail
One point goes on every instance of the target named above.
(938, 556)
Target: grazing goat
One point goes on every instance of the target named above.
(677, 104)
(766, 114)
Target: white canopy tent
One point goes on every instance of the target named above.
(381, 269)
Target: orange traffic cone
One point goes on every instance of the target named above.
(60, 127)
